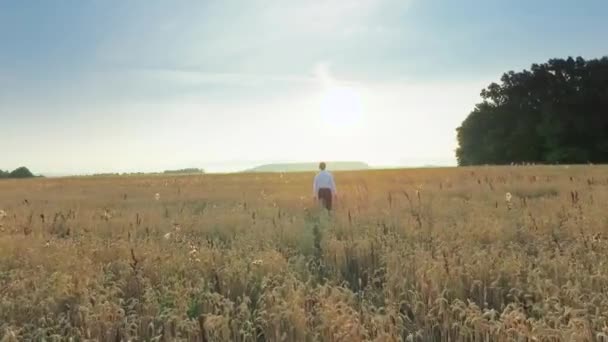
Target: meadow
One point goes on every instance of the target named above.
(454, 254)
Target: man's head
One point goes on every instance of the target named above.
(322, 166)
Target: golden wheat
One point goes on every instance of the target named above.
(471, 254)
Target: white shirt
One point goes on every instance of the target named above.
(324, 179)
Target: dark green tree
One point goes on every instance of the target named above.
(556, 112)
(21, 172)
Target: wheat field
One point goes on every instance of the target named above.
(454, 254)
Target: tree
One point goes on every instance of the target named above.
(556, 112)
(21, 172)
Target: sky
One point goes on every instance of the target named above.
(91, 86)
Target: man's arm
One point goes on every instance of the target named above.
(315, 187)
(333, 186)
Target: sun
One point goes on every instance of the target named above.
(341, 109)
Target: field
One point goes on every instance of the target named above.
(470, 254)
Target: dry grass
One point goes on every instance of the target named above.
(418, 255)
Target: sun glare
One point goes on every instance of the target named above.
(341, 109)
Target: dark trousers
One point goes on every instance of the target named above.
(325, 196)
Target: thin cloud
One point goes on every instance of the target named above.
(197, 77)
(321, 75)
(324, 76)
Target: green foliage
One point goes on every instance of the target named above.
(554, 113)
(21, 172)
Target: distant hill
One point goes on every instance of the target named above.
(303, 167)
(184, 171)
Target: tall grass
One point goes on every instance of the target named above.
(408, 255)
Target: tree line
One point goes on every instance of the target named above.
(187, 171)
(556, 112)
(184, 171)
(20, 172)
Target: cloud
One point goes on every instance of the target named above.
(170, 77)
(323, 76)
(188, 76)
(322, 73)
(321, 13)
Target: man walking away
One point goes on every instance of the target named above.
(324, 187)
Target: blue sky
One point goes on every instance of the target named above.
(107, 85)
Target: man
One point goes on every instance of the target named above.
(324, 187)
